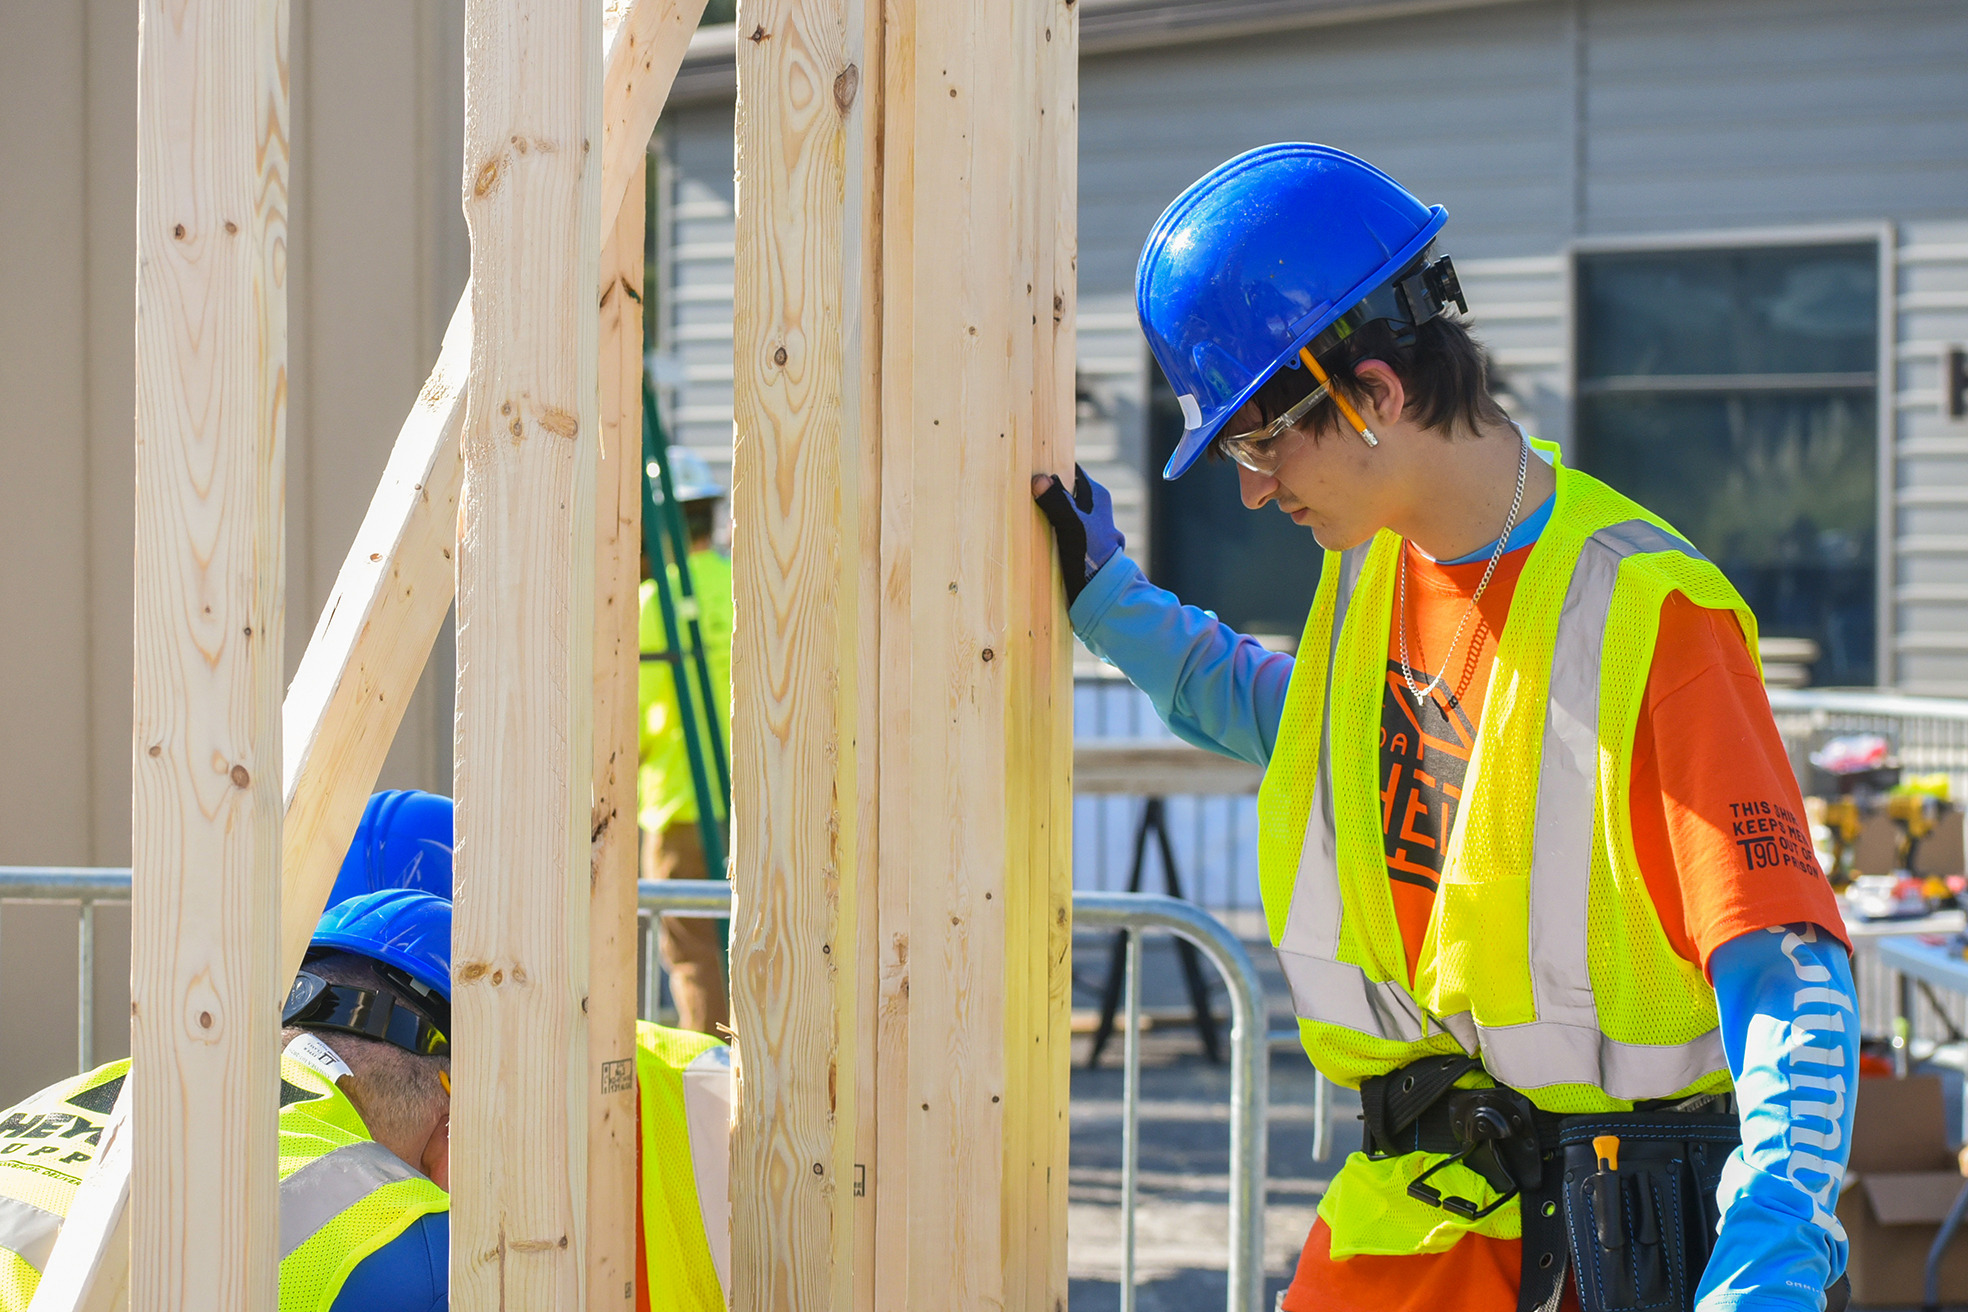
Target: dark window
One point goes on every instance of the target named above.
(1256, 569)
(1734, 393)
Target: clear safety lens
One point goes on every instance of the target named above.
(1257, 450)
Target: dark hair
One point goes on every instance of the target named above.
(1444, 370)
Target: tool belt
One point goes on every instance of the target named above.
(1626, 1201)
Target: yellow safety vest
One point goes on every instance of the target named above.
(1544, 954)
(342, 1195)
(684, 1082)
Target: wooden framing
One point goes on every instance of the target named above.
(373, 639)
(210, 424)
(613, 1180)
(526, 588)
(902, 760)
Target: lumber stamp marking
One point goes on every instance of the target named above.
(526, 588)
(904, 363)
(612, 1176)
(211, 394)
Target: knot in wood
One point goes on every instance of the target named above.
(240, 777)
(759, 34)
(989, 655)
(779, 356)
(559, 423)
(204, 1020)
(846, 84)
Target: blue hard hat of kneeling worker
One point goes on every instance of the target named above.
(403, 841)
(1286, 248)
(406, 932)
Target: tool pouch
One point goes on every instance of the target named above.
(1641, 1234)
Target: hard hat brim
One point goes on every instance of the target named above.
(1196, 440)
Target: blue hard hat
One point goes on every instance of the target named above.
(403, 841)
(402, 927)
(1264, 254)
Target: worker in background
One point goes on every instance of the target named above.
(1531, 852)
(365, 1116)
(671, 845)
(683, 1079)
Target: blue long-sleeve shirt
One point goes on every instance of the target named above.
(411, 1273)
(1785, 996)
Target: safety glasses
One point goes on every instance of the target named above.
(1259, 450)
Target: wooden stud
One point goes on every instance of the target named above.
(613, 1180)
(398, 581)
(376, 631)
(205, 842)
(904, 364)
(526, 586)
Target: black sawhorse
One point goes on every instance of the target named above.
(1154, 817)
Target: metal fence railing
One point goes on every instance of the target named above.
(1133, 913)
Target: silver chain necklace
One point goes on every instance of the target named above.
(1503, 541)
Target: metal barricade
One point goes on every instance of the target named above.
(1250, 1076)
(1250, 1054)
(86, 886)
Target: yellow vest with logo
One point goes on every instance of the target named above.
(1544, 954)
(684, 1083)
(342, 1195)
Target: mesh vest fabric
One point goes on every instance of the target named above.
(680, 1275)
(1544, 951)
(316, 1120)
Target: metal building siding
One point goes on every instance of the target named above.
(1466, 109)
(700, 225)
(1720, 113)
(1930, 499)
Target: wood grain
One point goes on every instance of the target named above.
(205, 841)
(613, 1181)
(801, 507)
(526, 626)
(397, 583)
(904, 363)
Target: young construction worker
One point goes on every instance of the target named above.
(671, 845)
(683, 1081)
(1531, 853)
(364, 1123)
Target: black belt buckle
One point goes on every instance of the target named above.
(1496, 1129)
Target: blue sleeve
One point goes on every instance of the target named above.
(1213, 686)
(1790, 1029)
(411, 1273)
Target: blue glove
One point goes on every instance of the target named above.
(1790, 1029)
(1082, 525)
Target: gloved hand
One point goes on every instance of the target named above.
(1082, 525)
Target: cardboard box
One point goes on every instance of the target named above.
(1901, 1180)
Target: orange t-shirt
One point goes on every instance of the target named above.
(1718, 827)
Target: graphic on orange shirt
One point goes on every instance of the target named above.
(1424, 755)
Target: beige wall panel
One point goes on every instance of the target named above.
(378, 259)
(43, 515)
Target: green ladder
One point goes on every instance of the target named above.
(665, 542)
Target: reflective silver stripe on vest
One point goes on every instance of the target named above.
(1323, 987)
(707, 1119)
(328, 1186)
(1565, 1044)
(28, 1230)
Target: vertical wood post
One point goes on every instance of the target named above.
(526, 625)
(612, 1177)
(901, 671)
(210, 421)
